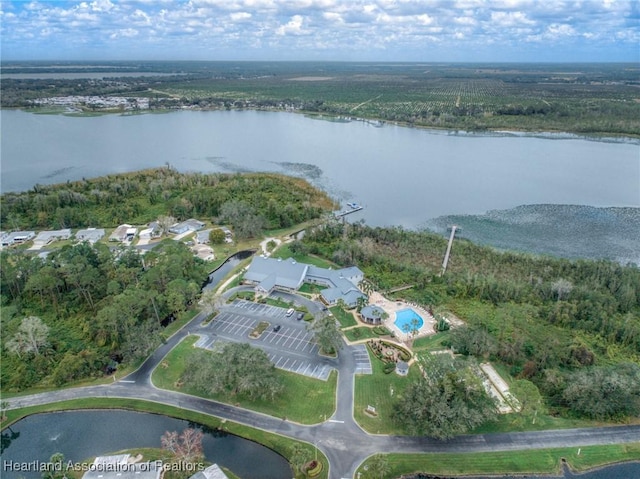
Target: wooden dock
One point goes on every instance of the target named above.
(352, 209)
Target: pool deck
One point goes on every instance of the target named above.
(391, 307)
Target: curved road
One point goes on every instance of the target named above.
(344, 443)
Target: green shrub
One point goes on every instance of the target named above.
(315, 468)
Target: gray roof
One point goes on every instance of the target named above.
(191, 224)
(203, 236)
(350, 296)
(52, 235)
(18, 235)
(118, 467)
(372, 311)
(285, 273)
(211, 472)
(91, 235)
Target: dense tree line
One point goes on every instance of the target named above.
(69, 316)
(549, 320)
(268, 200)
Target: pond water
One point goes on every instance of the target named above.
(81, 435)
(402, 176)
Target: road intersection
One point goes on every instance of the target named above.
(340, 438)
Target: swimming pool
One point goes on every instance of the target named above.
(404, 319)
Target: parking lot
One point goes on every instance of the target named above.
(291, 348)
(363, 361)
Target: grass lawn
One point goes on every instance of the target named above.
(280, 444)
(540, 461)
(356, 334)
(345, 318)
(180, 322)
(375, 390)
(284, 252)
(303, 399)
(431, 342)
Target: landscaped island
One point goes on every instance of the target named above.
(548, 343)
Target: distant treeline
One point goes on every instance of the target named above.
(578, 98)
(273, 201)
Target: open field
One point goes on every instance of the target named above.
(598, 99)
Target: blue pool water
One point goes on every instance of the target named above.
(405, 316)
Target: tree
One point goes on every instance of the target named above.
(378, 467)
(212, 301)
(299, 457)
(32, 335)
(237, 368)
(561, 288)
(216, 236)
(473, 340)
(609, 392)
(449, 402)
(529, 397)
(245, 221)
(165, 222)
(187, 446)
(327, 334)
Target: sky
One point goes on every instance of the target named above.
(323, 30)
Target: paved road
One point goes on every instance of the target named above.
(344, 443)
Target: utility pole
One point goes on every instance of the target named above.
(446, 255)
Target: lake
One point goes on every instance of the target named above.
(402, 176)
(81, 435)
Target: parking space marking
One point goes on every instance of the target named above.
(363, 362)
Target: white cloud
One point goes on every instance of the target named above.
(240, 16)
(285, 28)
(293, 27)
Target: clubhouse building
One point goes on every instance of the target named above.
(269, 274)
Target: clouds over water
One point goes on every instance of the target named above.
(405, 30)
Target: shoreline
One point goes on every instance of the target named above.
(603, 137)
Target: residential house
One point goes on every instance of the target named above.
(18, 237)
(228, 235)
(46, 237)
(203, 252)
(202, 237)
(185, 226)
(211, 472)
(152, 231)
(123, 233)
(121, 467)
(91, 235)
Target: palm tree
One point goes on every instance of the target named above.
(378, 467)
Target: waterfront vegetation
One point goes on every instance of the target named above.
(536, 461)
(570, 328)
(599, 99)
(250, 203)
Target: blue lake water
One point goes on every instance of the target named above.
(402, 176)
